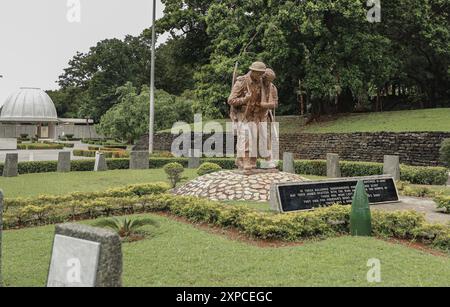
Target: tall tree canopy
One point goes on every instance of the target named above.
(326, 53)
(329, 47)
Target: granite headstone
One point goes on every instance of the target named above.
(100, 163)
(139, 160)
(288, 163)
(10, 168)
(63, 162)
(194, 160)
(85, 256)
(333, 167)
(392, 166)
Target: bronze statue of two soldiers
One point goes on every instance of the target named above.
(252, 100)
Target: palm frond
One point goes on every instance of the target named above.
(138, 223)
(112, 223)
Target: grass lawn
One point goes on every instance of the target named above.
(179, 254)
(396, 121)
(63, 183)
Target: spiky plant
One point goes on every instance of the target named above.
(126, 227)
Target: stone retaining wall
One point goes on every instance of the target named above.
(414, 148)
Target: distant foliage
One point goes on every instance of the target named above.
(129, 119)
(445, 152)
(325, 50)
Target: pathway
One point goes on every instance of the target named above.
(423, 205)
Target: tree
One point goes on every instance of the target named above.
(343, 60)
(128, 119)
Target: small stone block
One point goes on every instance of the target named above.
(139, 160)
(333, 167)
(10, 168)
(94, 255)
(63, 162)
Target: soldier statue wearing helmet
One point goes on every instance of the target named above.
(252, 98)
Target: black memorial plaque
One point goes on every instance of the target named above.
(310, 195)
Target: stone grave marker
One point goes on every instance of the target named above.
(10, 168)
(392, 166)
(85, 256)
(63, 162)
(308, 195)
(288, 163)
(100, 163)
(193, 160)
(139, 160)
(333, 168)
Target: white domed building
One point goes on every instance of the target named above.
(31, 111)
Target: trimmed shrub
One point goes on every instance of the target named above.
(108, 154)
(208, 168)
(163, 154)
(320, 223)
(39, 146)
(424, 175)
(412, 174)
(443, 201)
(116, 146)
(67, 145)
(445, 152)
(174, 171)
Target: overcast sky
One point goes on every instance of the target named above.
(37, 40)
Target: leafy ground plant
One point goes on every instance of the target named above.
(129, 229)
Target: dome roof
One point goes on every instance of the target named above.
(29, 105)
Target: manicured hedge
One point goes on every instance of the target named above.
(320, 223)
(412, 174)
(38, 146)
(108, 153)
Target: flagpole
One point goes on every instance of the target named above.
(152, 84)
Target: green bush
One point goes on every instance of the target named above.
(445, 152)
(443, 201)
(174, 173)
(298, 226)
(108, 153)
(67, 145)
(412, 174)
(208, 168)
(39, 146)
(115, 146)
(424, 175)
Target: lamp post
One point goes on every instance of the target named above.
(152, 84)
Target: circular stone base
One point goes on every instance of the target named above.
(235, 186)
